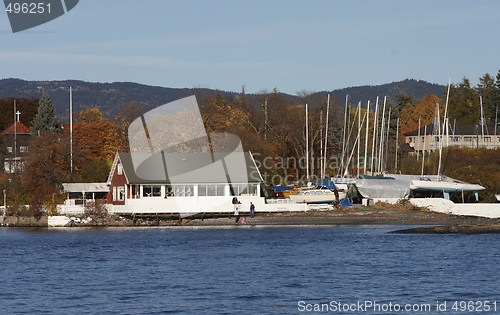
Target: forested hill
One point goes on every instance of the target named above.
(370, 92)
(109, 97)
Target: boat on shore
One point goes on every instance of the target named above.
(315, 196)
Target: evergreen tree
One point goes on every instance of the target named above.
(45, 119)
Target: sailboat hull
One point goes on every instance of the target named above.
(449, 187)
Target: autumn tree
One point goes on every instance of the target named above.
(45, 119)
(414, 111)
(95, 135)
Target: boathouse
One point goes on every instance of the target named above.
(192, 183)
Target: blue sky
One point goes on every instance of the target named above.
(289, 45)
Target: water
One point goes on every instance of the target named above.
(241, 270)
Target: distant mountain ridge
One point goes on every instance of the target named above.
(109, 97)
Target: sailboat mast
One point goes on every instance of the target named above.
(374, 135)
(423, 151)
(307, 146)
(343, 142)
(440, 144)
(418, 139)
(482, 118)
(397, 139)
(359, 133)
(366, 136)
(445, 119)
(381, 144)
(326, 134)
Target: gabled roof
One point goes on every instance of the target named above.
(190, 168)
(18, 128)
(85, 187)
(458, 129)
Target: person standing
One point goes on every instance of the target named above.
(252, 210)
(236, 214)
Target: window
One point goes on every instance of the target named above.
(151, 191)
(121, 193)
(23, 149)
(9, 149)
(120, 169)
(467, 139)
(244, 189)
(179, 191)
(211, 190)
(487, 139)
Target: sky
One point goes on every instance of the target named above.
(292, 45)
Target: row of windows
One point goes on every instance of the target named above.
(22, 149)
(189, 190)
(465, 139)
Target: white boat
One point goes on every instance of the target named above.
(315, 196)
(446, 184)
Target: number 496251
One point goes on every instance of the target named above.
(29, 8)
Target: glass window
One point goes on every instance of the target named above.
(151, 191)
(121, 193)
(179, 191)
(211, 191)
(120, 169)
(9, 149)
(244, 189)
(202, 190)
(220, 190)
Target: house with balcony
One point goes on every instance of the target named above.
(431, 137)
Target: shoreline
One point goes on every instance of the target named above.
(430, 222)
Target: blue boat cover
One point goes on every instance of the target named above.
(327, 183)
(279, 188)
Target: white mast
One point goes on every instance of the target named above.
(440, 143)
(374, 135)
(366, 136)
(397, 138)
(445, 119)
(381, 144)
(345, 127)
(359, 134)
(71, 127)
(307, 146)
(482, 118)
(423, 151)
(387, 139)
(418, 138)
(326, 133)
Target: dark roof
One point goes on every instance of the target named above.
(458, 129)
(18, 128)
(190, 168)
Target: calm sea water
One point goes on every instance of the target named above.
(244, 270)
